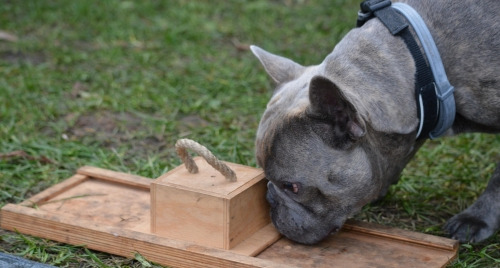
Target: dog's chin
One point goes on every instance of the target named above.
(308, 236)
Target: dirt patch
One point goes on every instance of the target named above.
(127, 131)
(16, 57)
(19, 154)
(105, 124)
(113, 130)
(192, 121)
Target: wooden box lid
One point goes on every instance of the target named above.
(209, 180)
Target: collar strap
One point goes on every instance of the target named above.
(433, 92)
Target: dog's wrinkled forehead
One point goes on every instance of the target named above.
(289, 102)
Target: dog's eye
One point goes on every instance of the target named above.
(292, 187)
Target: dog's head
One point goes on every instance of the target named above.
(324, 152)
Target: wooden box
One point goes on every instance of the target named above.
(207, 209)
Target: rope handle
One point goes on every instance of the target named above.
(181, 147)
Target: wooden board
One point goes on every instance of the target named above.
(362, 244)
(109, 211)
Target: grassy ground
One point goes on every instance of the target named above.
(115, 83)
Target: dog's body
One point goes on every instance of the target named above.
(335, 136)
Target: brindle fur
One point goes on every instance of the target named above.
(343, 130)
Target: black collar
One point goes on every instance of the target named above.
(435, 103)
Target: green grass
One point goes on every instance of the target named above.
(115, 83)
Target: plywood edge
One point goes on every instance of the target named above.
(114, 176)
(258, 242)
(378, 230)
(54, 190)
(122, 242)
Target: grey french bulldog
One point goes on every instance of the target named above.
(335, 136)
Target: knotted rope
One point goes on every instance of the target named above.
(181, 147)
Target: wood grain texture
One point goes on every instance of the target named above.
(401, 235)
(49, 193)
(352, 249)
(247, 213)
(258, 242)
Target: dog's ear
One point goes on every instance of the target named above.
(329, 105)
(279, 68)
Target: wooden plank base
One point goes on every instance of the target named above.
(110, 211)
(352, 247)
